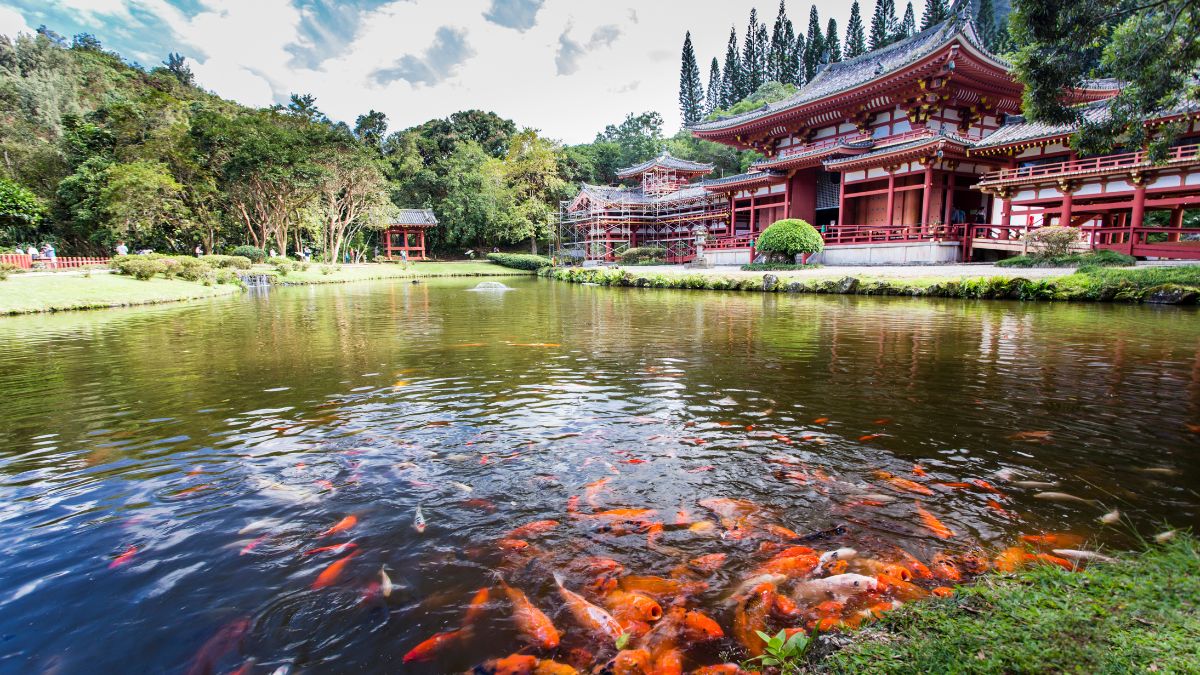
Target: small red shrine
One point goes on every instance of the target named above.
(405, 238)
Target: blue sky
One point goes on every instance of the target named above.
(565, 67)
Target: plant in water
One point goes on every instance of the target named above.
(787, 654)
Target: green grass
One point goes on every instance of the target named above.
(346, 273)
(22, 293)
(1141, 615)
(777, 267)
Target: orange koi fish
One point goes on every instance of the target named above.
(1032, 436)
(430, 648)
(751, 617)
(253, 544)
(707, 564)
(626, 605)
(592, 491)
(919, 470)
(1053, 540)
(513, 664)
(597, 621)
(331, 573)
(699, 627)
(719, 669)
(868, 437)
(953, 486)
(900, 589)
(999, 508)
(660, 587)
(985, 486)
(192, 490)
(536, 628)
(225, 640)
(882, 420)
(528, 529)
(336, 549)
(944, 568)
(933, 524)
(123, 558)
(668, 662)
(903, 483)
(1010, 559)
(943, 591)
(341, 526)
(631, 662)
(821, 420)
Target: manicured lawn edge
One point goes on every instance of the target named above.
(313, 274)
(1160, 285)
(1139, 615)
(43, 294)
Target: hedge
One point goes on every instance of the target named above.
(520, 261)
(256, 255)
(642, 254)
(789, 238)
(236, 262)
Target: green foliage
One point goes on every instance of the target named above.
(769, 92)
(1103, 258)
(776, 267)
(691, 92)
(856, 40)
(20, 212)
(252, 253)
(643, 254)
(519, 261)
(1136, 615)
(139, 266)
(236, 262)
(787, 654)
(790, 237)
(1054, 241)
(1152, 47)
(7, 269)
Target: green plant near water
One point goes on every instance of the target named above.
(1102, 258)
(789, 238)
(7, 269)
(1053, 241)
(232, 261)
(640, 255)
(520, 261)
(786, 654)
(777, 267)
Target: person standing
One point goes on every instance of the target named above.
(199, 250)
(51, 255)
(122, 249)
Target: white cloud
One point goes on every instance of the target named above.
(12, 23)
(509, 56)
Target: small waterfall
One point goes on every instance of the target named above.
(256, 280)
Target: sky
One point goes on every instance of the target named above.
(564, 67)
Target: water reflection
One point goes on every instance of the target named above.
(220, 439)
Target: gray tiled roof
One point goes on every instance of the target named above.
(623, 195)
(1017, 129)
(900, 147)
(845, 75)
(415, 217)
(749, 175)
(667, 161)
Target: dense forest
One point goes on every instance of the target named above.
(97, 150)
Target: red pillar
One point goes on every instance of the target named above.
(753, 212)
(891, 197)
(927, 194)
(947, 212)
(842, 198)
(1176, 223)
(1139, 209)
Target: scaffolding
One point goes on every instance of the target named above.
(665, 210)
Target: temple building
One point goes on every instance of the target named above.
(917, 153)
(404, 239)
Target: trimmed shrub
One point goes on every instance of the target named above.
(1053, 241)
(777, 267)
(789, 238)
(520, 261)
(7, 269)
(643, 254)
(256, 255)
(138, 266)
(236, 262)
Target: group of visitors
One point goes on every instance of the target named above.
(46, 254)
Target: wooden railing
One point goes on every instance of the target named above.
(844, 235)
(28, 262)
(1182, 243)
(724, 243)
(1183, 153)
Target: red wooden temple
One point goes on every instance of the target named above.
(917, 153)
(405, 238)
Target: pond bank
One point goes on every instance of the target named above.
(1150, 284)
(57, 292)
(1142, 614)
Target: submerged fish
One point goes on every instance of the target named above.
(536, 628)
(933, 524)
(1063, 497)
(903, 483)
(463, 486)
(123, 558)
(341, 526)
(597, 621)
(330, 575)
(385, 583)
(1035, 484)
(419, 520)
(1090, 556)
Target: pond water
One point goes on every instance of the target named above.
(167, 473)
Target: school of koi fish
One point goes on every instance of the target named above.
(710, 574)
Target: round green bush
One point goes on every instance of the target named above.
(790, 238)
(236, 262)
(256, 255)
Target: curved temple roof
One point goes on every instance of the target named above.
(415, 218)
(665, 161)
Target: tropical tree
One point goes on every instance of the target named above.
(531, 173)
(351, 195)
(779, 65)
(1152, 47)
(884, 25)
(638, 137)
(732, 87)
(908, 25)
(691, 91)
(20, 213)
(936, 11)
(371, 129)
(814, 49)
(985, 20)
(753, 73)
(141, 200)
(712, 98)
(833, 44)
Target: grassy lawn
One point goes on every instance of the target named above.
(344, 273)
(50, 293)
(1140, 615)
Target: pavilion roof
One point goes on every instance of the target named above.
(1017, 130)
(415, 218)
(665, 161)
(940, 138)
(814, 154)
(842, 76)
(634, 196)
(747, 179)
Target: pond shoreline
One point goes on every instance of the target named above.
(67, 291)
(1151, 285)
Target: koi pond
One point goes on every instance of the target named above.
(385, 477)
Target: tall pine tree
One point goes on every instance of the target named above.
(985, 23)
(814, 49)
(731, 76)
(762, 48)
(856, 39)
(936, 11)
(908, 27)
(691, 90)
(797, 58)
(712, 100)
(752, 64)
(883, 24)
(783, 69)
(833, 43)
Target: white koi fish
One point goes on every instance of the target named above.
(419, 520)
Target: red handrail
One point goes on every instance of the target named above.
(1105, 163)
(841, 235)
(27, 262)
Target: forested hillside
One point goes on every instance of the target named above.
(96, 150)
